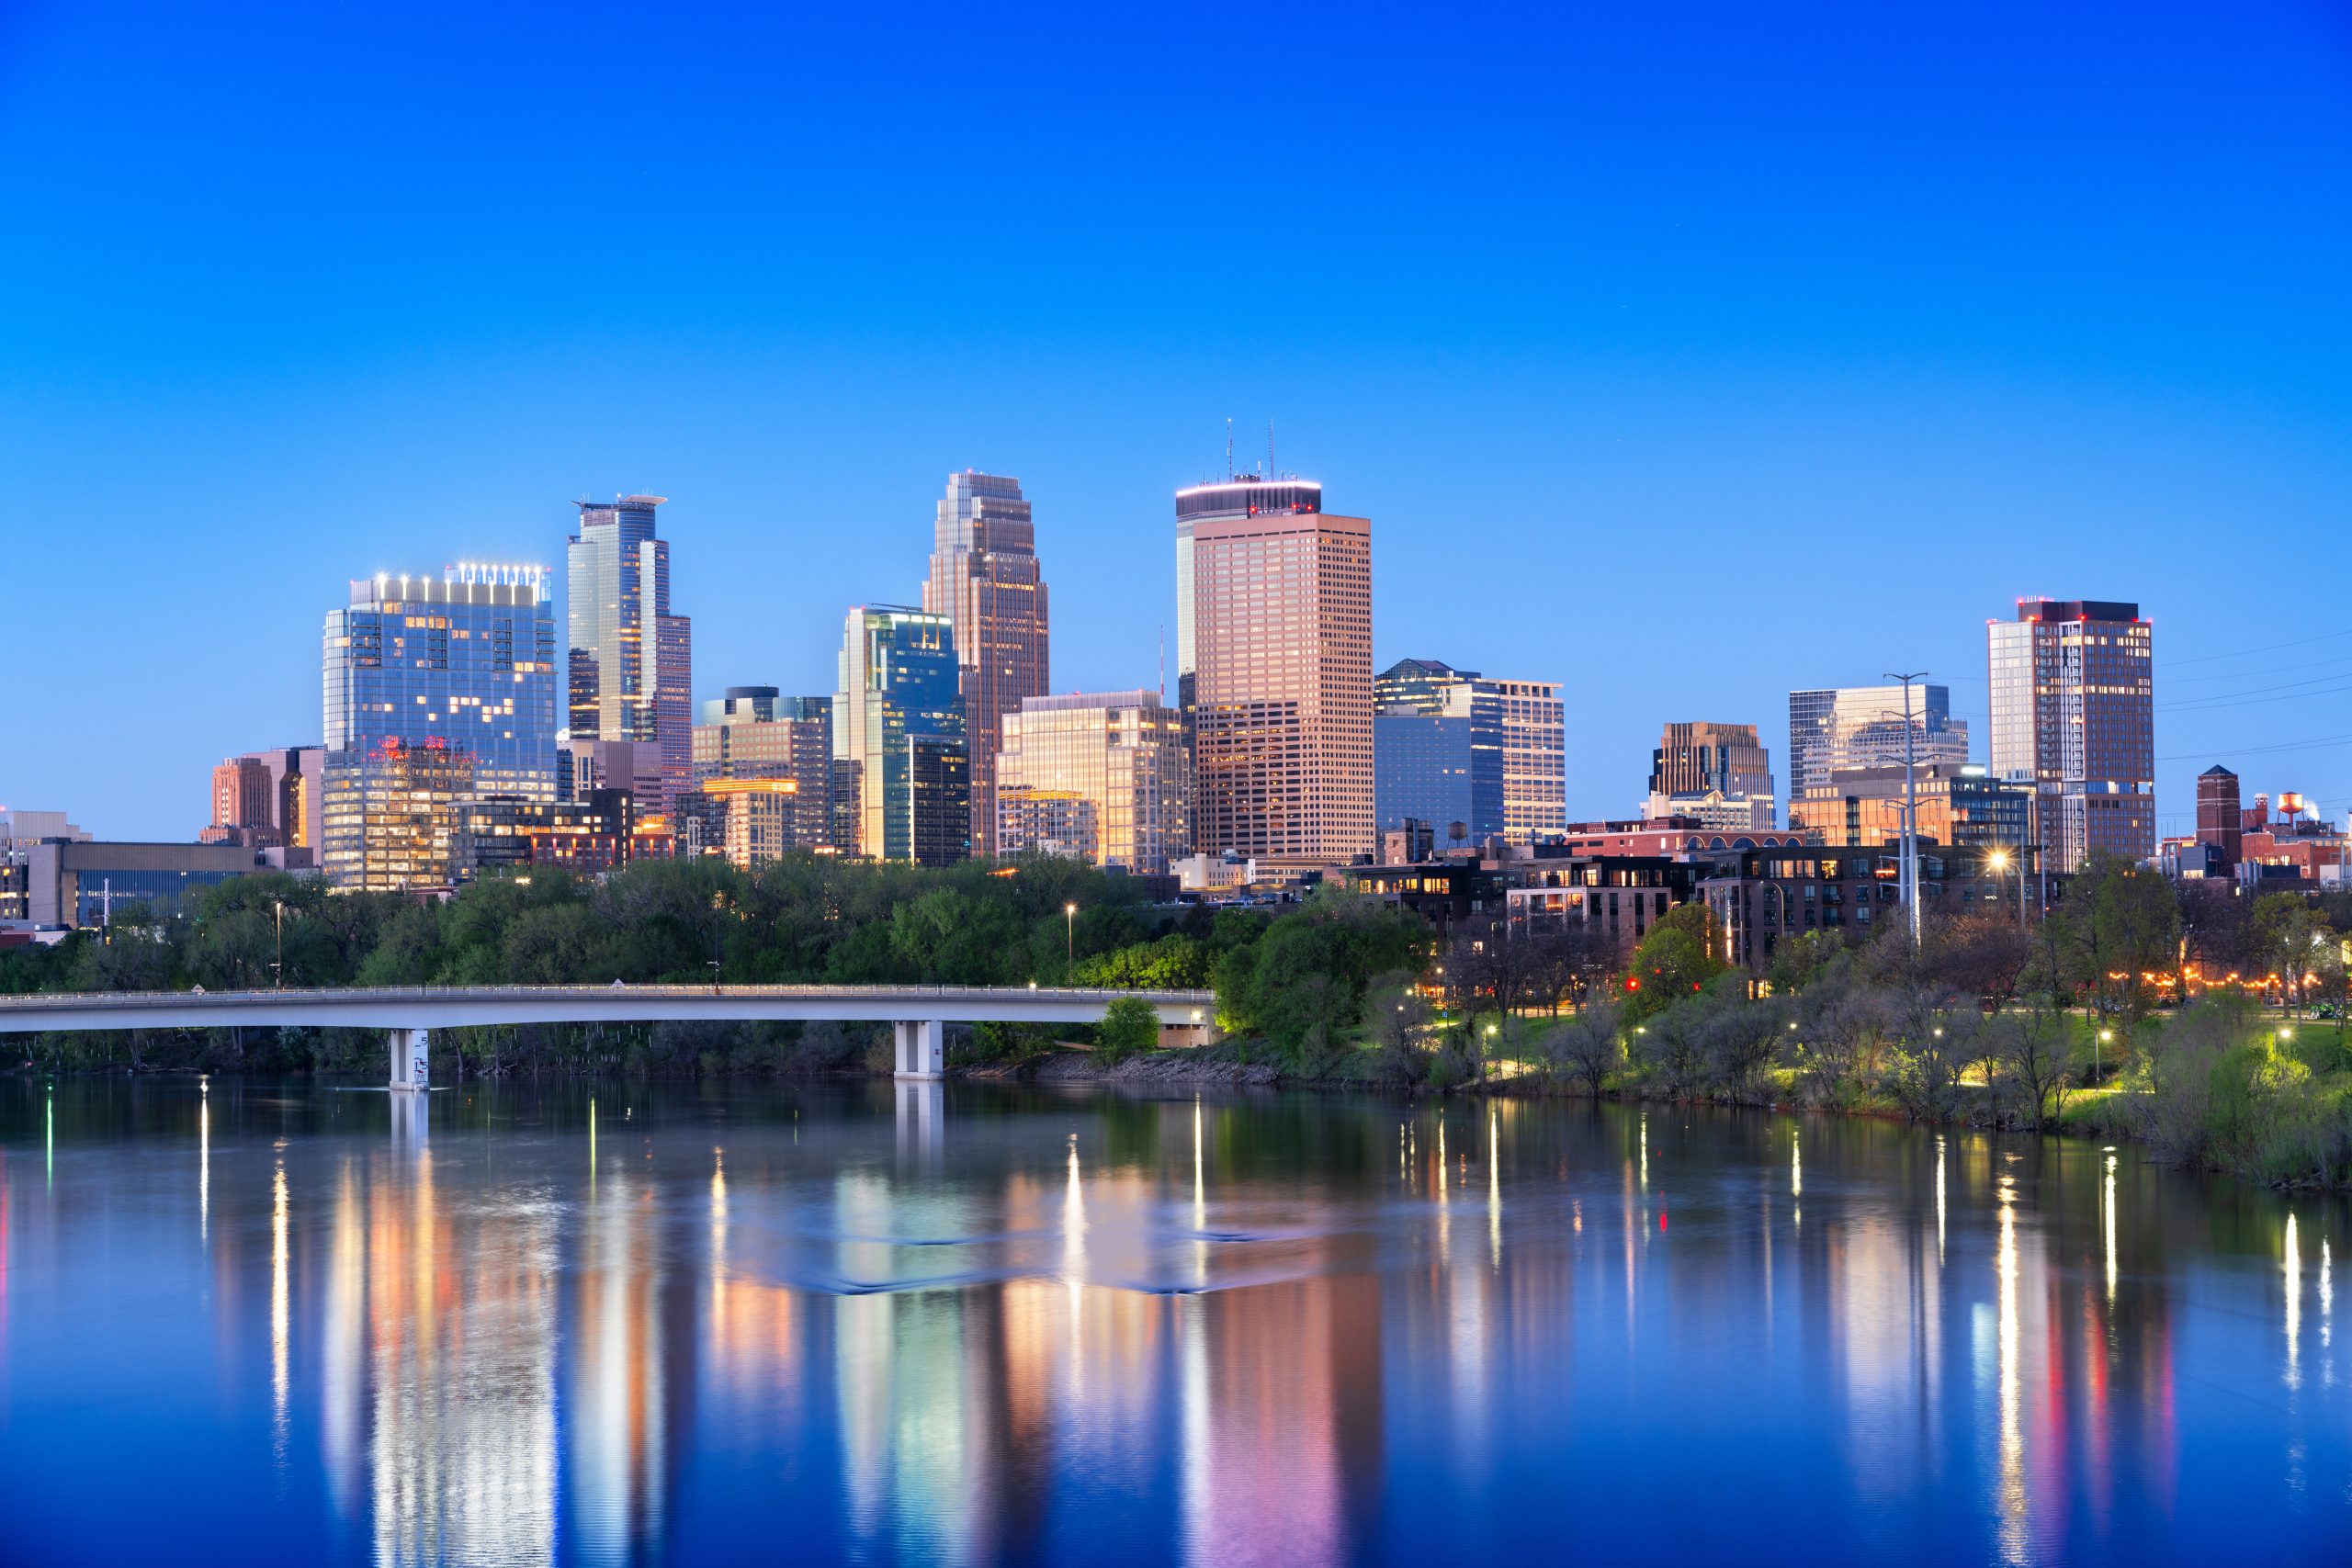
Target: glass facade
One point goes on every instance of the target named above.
(1100, 777)
(436, 688)
(632, 661)
(390, 814)
(985, 579)
(1450, 746)
(901, 775)
(2073, 710)
(1863, 727)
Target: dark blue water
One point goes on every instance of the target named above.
(283, 1324)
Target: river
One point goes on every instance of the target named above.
(250, 1322)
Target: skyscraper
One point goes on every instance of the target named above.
(1099, 776)
(985, 579)
(1861, 727)
(755, 732)
(1450, 746)
(632, 661)
(2074, 713)
(1275, 637)
(901, 772)
(437, 688)
(1720, 773)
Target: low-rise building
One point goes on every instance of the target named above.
(89, 883)
(1617, 896)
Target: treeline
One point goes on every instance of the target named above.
(2076, 1022)
(804, 919)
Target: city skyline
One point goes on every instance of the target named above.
(2174, 816)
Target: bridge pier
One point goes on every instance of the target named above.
(921, 1048)
(411, 1068)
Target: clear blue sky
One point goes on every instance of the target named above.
(1684, 354)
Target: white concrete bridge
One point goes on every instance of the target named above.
(916, 1014)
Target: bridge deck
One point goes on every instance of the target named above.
(457, 1007)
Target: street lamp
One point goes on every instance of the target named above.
(278, 970)
(2098, 1054)
(1070, 936)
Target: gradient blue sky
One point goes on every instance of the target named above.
(1684, 354)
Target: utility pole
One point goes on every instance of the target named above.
(1909, 879)
(278, 970)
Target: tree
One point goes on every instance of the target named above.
(1129, 1026)
(2035, 1051)
(1682, 954)
(1585, 1047)
(2118, 922)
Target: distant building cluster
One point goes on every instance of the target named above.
(459, 740)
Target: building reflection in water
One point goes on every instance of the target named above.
(516, 1370)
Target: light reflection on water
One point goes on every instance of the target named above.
(893, 1323)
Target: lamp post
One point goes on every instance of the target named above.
(277, 966)
(1070, 937)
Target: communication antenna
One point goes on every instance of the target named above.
(1163, 661)
(1228, 451)
(1271, 472)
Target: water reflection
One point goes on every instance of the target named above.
(973, 1327)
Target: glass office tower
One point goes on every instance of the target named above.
(632, 661)
(1450, 746)
(1097, 776)
(901, 770)
(985, 579)
(435, 688)
(2072, 695)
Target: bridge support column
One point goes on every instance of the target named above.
(921, 1048)
(411, 1068)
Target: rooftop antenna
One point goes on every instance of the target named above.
(1228, 451)
(1271, 472)
(1163, 661)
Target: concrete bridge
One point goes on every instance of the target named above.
(918, 1014)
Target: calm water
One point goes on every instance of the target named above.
(694, 1325)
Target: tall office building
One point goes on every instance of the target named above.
(1863, 727)
(755, 732)
(1450, 746)
(1275, 656)
(901, 772)
(1719, 773)
(437, 688)
(1099, 776)
(2220, 815)
(985, 579)
(2073, 714)
(632, 661)
(269, 798)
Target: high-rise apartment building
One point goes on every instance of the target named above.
(1275, 637)
(1099, 776)
(1720, 774)
(2073, 714)
(433, 686)
(2221, 820)
(1450, 746)
(985, 579)
(632, 661)
(1863, 727)
(901, 784)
